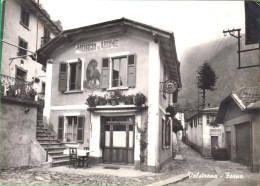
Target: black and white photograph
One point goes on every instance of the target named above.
(141, 92)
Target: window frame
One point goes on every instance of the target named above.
(22, 52)
(166, 135)
(68, 76)
(110, 66)
(21, 69)
(25, 18)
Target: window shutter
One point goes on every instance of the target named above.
(131, 71)
(78, 73)
(63, 77)
(102, 132)
(105, 73)
(60, 128)
(80, 136)
(163, 133)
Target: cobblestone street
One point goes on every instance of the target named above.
(193, 162)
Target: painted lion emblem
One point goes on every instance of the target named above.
(92, 75)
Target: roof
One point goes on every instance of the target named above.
(247, 98)
(42, 15)
(212, 110)
(118, 26)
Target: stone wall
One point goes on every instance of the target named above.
(18, 144)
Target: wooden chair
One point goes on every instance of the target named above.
(83, 160)
(73, 157)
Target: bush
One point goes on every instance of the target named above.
(139, 99)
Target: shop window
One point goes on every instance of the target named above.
(23, 44)
(71, 128)
(166, 133)
(25, 17)
(122, 73)
(21, 74)
(70, 76)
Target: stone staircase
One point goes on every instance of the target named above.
(49, 142)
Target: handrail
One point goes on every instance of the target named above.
(49, 143)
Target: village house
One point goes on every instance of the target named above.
(25, 26)
(239, 113)
(201, 135)
(104, 86)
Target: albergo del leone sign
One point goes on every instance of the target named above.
(96, 46)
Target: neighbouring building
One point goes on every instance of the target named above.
(200, 135)
(239, 113)
(22, 78)
(97, 64)
(25, 27)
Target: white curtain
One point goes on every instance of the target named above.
(119, 139)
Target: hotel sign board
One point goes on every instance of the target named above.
(96, 46)
(215, 132)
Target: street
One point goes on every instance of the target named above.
(193, 164)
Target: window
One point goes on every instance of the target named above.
(21, 74)
(70, 128)
(46, 36)
(166, 133)
(208, 119)
(122, 73)
(200, 119)
(22, 44)
(43, 87)
(25, 17)
(195, 122)
(70, 76)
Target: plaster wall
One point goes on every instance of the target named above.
(12, 30)
(126, 44)
(19, 146)
(253, 119)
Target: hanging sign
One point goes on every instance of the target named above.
(169, 86)
(96, 46)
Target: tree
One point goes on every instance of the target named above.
(207, 79)
(176, 125)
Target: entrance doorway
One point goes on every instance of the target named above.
(118, 139)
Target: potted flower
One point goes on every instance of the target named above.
(102, 100)
(92, 100)
(129, 100)
(116, 96)
(139, 99)
(172, 110)
(32, 93)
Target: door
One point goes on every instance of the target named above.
(214, 142)
(243, 145)
(228, 139)
(118, 140)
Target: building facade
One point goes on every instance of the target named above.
(24, 28)
(201, 135)
(103, 64)
(239, 114)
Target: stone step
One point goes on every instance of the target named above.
(47, 141)
(39, 132)
(44, 137)
(52, 145)
(55, 153)
(54, 148)
(42, 134)
(63, 156)
(59, 163)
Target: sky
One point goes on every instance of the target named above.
(192, 22)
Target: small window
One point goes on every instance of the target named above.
(22, 44)
(25, 17)
(43, 87)
(208, 119)
(21, 74)
(119, 77)
(73, 71)
(166, 133)
(200, 119)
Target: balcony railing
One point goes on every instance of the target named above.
(44, 40)
(17, 88)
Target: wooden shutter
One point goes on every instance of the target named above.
(102, 132)
(80, 136)
(63, 77)
(163, 133)
(131, 71)
(78, 74)
(60, 128)
(105, 73)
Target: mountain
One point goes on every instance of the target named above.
(222, 56)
